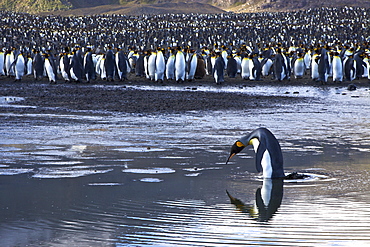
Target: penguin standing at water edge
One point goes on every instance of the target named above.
(180, 64)
(49, 68)
(2, 63)
(245, 72)
(160, 66)
(218, 70)
(110, 64)
(231, 67)
(88, 66)
(20, 66)
(170, 65)
(269, 158)
(255, 68)
(192, 66)
(122, 64)
(299, 66)
(38, 65)
(337, 65)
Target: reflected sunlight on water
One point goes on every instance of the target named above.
(127, 180)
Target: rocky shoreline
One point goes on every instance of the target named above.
(123, 97)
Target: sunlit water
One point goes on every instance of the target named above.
(133, 180)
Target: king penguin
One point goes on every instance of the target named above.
(269, 158)
(200, 71)
(315, 66)
(192, 66)
(38, 65)
(160, 66)
(76, 67)
(245, 73)
(20, 67)
(110, 64)
(2, 63)
(299, 66)
(280, 66)
(323, 66)
(170, 65)
(266, 64)
(231, 67)
(180, 66)
(88, 64)
(29, 65)
(255, 68)
(151, 65)
(218, 70)
(64, 63)
(140, 68)
(49, 69)
(349, 67)
(337, 68)
(122, 64)
(9, 60)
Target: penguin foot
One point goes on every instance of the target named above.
(296, 175)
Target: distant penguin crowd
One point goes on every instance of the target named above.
(325, 44)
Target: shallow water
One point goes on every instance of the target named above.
(161, 180)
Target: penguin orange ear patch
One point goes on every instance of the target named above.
(239, 144)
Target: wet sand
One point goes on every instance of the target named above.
(125, 98)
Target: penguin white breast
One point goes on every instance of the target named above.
(266, 164)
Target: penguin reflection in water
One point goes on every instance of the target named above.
(267, 201)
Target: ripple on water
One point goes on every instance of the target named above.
(157, 170)
(196, 223)
(68, 172)
(139, 149)
(105, 184)
(151, 180)
(14, 171)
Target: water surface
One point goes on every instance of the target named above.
(161, 180)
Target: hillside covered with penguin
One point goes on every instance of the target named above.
(139, 7)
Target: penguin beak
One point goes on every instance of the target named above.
(231, 155)
(236, 148)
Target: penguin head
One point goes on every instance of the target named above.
(235, 149)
